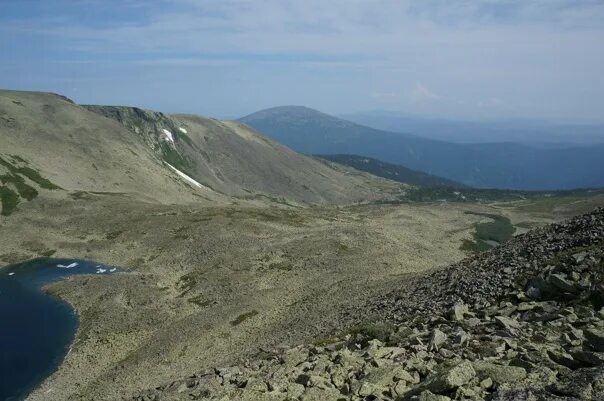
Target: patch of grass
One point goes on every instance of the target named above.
(19, 159)
(179, 233)
(29, 173)
(135, 263)
(48, 252)
(9, 199)
(172, 157)
(37, 178)
(284, 265)
(181, 136)
(243, 317)
(325, 341)
(79, 195)
(373, 330)
(14, 257)
(201, 301)
(186, 283)
(342, 248)
(499, 230)
(113, 234)
(38, 248)
(474, 246)
(25, 191)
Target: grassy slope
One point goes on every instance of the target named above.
(391, 171)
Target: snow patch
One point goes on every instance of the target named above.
(185, 177)
(69, 266)
(11, 274)
(168, 135)
(112, 270)
(181, 129)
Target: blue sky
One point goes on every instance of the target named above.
(540, 59)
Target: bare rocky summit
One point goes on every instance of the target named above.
(522, 322)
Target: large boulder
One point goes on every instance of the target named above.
(499, 374)
(447, 380)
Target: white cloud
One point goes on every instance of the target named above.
(421, 93)
(546, 56)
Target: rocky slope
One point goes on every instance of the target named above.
(521, 322)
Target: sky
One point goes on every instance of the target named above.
(478, 59)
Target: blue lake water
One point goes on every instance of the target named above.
(36, 329)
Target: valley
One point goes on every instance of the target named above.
(232, 245)
(213, 285)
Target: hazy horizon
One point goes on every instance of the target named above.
(471, 60)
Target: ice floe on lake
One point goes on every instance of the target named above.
(69, 266)
(11, 273)
(100, 270)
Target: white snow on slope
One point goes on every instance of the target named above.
(186, 177)
(181, 129)
(69, 266)
(168, 135)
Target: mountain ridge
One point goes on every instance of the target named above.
(509, 166)
(159, 157)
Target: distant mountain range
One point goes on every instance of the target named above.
(532, 132)
(488, 165)
(391, 171)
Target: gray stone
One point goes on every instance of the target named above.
(500, 374)
(449, 379)
(295, 390)
(507, 323)
(589, 358)
(437, 338)
(595, 339)
(562, 283)
(458, 312)
(430, 396)
(294, 357)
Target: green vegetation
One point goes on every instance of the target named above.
(181, 136)
(172, 157)
(529, 201)
(499, 230)
(201, 301)
(390, 171)
(566, 203)
(186, 283)
(113, 234)
(373, 330)
(25, 191)
(29, 173)
(18, 159)
(48, 252)
(37, 178)
(243, 317)
(10, 200)
(283, 265)
(14, 257)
